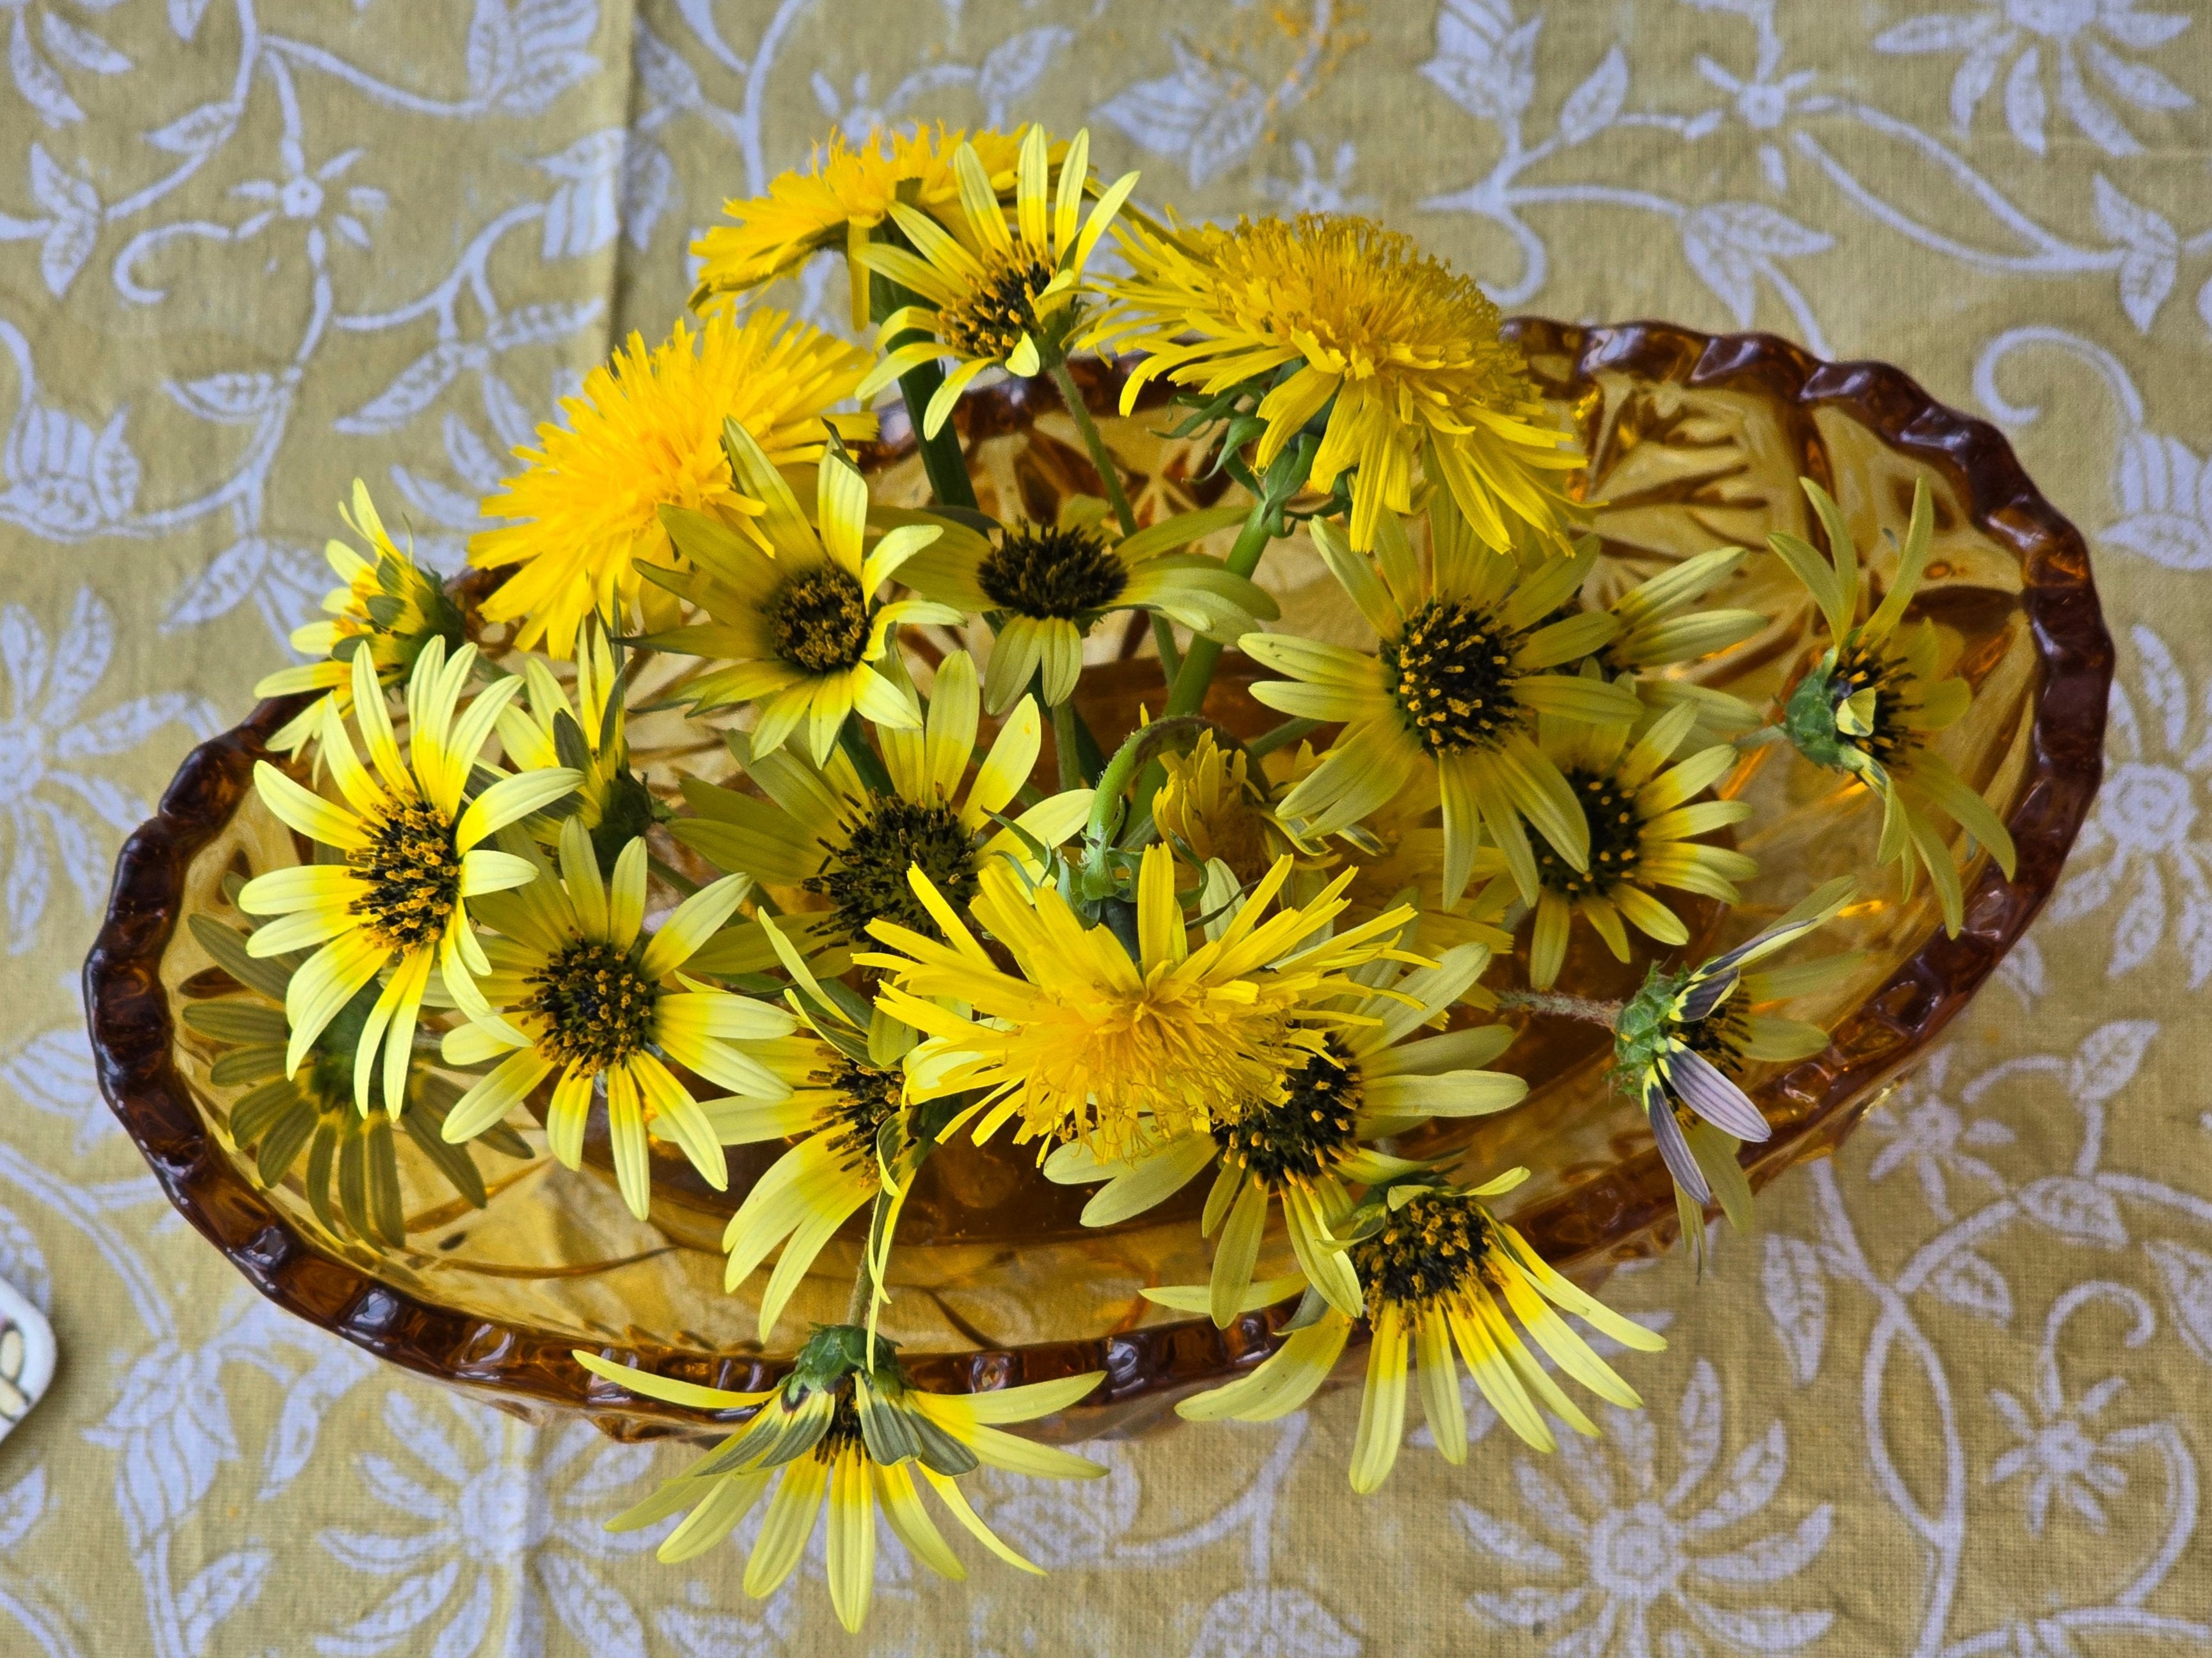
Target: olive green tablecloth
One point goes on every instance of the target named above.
(1953, 1398)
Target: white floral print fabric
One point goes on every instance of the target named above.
(1951, 1399)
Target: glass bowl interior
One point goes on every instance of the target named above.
(1694, 441)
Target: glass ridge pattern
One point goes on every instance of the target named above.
(1621, 1209)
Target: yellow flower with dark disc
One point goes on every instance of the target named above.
(823, 835)
(389, 606)
(1305, 1152)
(1440, 1272)
(989, 294)
(411, 852)
(1339, 318)
(1873, 705)
(798, 617)
(590, 734)
(645, 435)
(1642, 822)
(845, 194)
(581, 994)
(1452, 693)
(847, 1431)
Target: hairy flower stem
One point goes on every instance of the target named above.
(1564, 1007)
(1188, 691)
(1055, 364)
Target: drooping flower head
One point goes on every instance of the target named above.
(1453, 691)
(846, 1426)
(1045, 587)
(990, 295)
(352, 1179)
(1438, 1271)
(1334, 313)
(1871, 705)
(845, 192)
(796, 614)
(1089, 1041)
(579, 991)
(389, 606)
(1680, 1040)
(1642, 823)
(1307, 1151)
(648, 435)
(825, 832)
(411, 853)
(545, 728)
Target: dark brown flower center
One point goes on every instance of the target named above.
(413, 871)
(1452, 671)
(866, 879)
(1294, 1141)
(596, 1007)
(820, 620)
(1615, 843)
(866, 1099)
(989, 321)
(1891, 741)
(1038, 570)
(1431, 1249)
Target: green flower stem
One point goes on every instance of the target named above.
(865, 760)
(1163, 642)
(675, 877)
(1188, 692)
(1055, 364)
(940, 455)
(1064, 746)
(1281, 737)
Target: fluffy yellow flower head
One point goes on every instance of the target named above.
(846, 193)
(648, 434)
(1408, 349)
(1085, 1042)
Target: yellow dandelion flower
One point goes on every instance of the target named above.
(846, 193)
(1210, 808)
(797, 616)
(1048, 586)
(852, 1434)
(1305, 1150)
(579, 988)
(991, 295)
(1452, 693)
(1642, 822)
(545, 728)
(1336, 314)
(388, 606)
(411, 855)
(648, 434)
(1089, 1041)
(826, 832)
(1871, 705)
(1440, 1272)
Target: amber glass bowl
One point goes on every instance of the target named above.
(1694, 441)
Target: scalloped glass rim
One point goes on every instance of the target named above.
(1619, 1212)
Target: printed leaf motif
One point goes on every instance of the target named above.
(582, 215)
(664, 70)
(595, 1613)
(37, 80)
(185, 17)
(1261, 1623)
(21, 1506)
(2079, 1211)
(1014, 66)
(1797, 1296)
(414, 389)
(217, 590)
(1590, 107)
(2187, 1275)
(1731, 244)
(2153, 252)
(230, 399)
(1484, 62)
(1967, 1280)
(221, 1590)
(73, 205)
(1210, 117)
(2110, 1057)
(197, 132)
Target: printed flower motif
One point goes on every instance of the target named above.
(840, 202)
(1453, 692)
(1924, 1129)
(2143, 836)
(1632, 1549)
(1305, 1150)
(796, 615)
(577, 986)
(411, 855)
(826, 833)
(1337, 318)
(302, 196)
(390, 607)
(990, 295)
(1437, 1270)
(2021, 33)
(1048, 586)
(1871, 708)
(648, 434)
(507, 1520)
(1086, 1042)
(53, 806)
(1309, 193)
(845, 1426)
(2061, 1452)
(1642, 823)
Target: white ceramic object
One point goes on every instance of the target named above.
(27, 1358)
